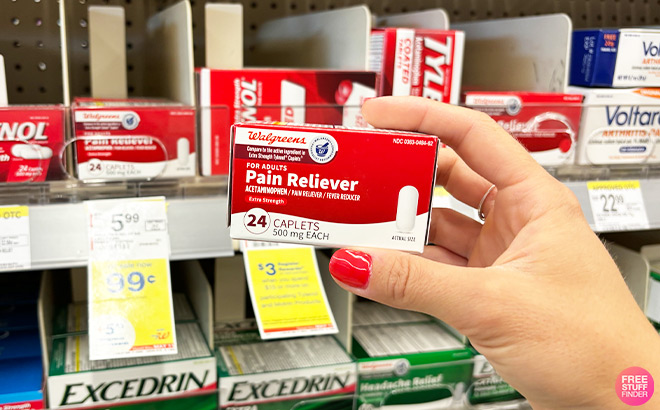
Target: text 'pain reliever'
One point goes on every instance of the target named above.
(331, 185)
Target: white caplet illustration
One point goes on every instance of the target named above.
(406, 210)
(182, 151)
(31, 151)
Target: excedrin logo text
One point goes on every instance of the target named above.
(245, 391)
(22, 131)
(80, 393)
(631, 116)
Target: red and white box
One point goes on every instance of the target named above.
(546, 124)
(133, 139)
(31, 143)
(426, 63)
(331, 186)
(289, 95)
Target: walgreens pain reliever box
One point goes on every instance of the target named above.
(305, 373)
(331, 186)
(546, 124)
(31, 143)
(619, 126)
(615, 58)
(21, 384)
(425, 63)
(133, 139)
(289, 95)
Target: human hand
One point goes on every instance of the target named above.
(533, 288)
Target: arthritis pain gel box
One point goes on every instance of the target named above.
(133, 139)
(425, 63)
(289, 95)
(331, 186)
(546, 124)
(619, 126)
(615, 58)
(31, 143)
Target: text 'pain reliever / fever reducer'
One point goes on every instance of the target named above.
(328, 185)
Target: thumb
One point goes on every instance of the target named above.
(409, 282)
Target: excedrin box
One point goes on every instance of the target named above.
(133, 139)
(306, 373)
(619, 126)
(419, 62)
(289, 95)
(546, 124)
(32, 139)
(420, 365)
(615, 58)
(487, 386)
(331, 186)
(76, 382)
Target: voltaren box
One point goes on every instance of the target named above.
(619, 126)
(311, 96)
(31, 143)
(331, 186)
(133, 139)
(615, 58)
(546, 124)
(425, 63)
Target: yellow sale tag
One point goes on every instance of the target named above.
(617, 206)
(287, 294)
(129, 291)
(132, 309)
(14, 238)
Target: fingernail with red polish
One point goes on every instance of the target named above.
(351, 267)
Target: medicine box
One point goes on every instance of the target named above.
(305, 373)
(331, 185)
(615, 58)
(32, 139)
(421, 62)
(619, 126)
(546, 124)
(133, 139)
(289, 95)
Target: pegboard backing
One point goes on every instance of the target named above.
(30, 44)
(35, 38)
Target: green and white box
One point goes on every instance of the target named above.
(307, 373)
(409, 366)
(76, 382)
(488, 387)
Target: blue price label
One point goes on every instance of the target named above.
(269, 267)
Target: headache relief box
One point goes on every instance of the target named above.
(331, 186)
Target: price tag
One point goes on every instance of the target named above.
(441, 198)
(617, 206)
(14, 238)
(286, 290)
(129, 290)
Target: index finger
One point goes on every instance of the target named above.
(475, 137)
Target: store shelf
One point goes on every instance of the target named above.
(196, 210)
